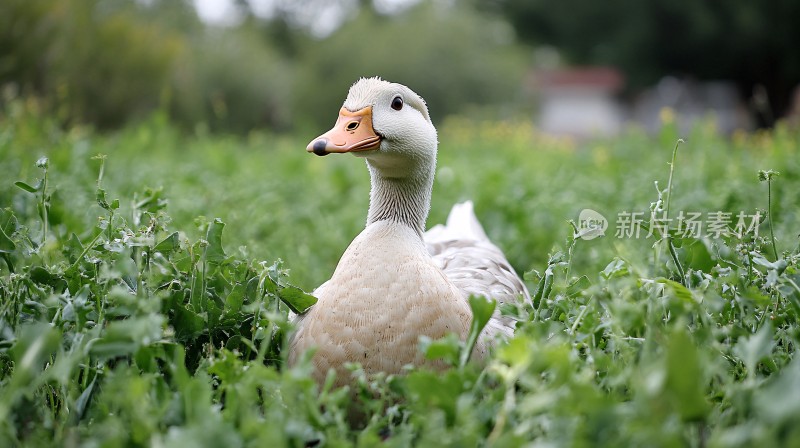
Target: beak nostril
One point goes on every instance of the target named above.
(352, 126)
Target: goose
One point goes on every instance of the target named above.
(396, 282)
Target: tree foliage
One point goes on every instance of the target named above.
(108, 61)
(454, 58)
(752, 43)
(90, 60)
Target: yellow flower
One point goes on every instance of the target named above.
(667, 115)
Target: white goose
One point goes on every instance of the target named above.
(395, 282)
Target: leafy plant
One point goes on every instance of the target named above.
(129, 318)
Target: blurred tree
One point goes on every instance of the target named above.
(232, 80)
(26, 27)
(452, 56)
(109, 61)
(92, 60)
(751, 43)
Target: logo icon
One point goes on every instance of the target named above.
(591, 224)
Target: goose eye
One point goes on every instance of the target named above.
(397, 103)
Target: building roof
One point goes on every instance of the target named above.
(602, 78)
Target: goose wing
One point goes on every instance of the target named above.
(474, 264)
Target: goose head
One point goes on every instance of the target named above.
(388, 125)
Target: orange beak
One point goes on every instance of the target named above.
(352, 132)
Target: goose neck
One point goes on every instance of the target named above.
(405, 200)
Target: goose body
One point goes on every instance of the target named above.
(395, 282)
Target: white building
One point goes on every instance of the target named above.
(580, 101)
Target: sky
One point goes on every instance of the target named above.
(326, 20)
(221, 12)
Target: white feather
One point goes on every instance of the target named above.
(474, 264)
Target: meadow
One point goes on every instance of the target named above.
(146, 277)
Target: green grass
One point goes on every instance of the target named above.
(142, 301)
